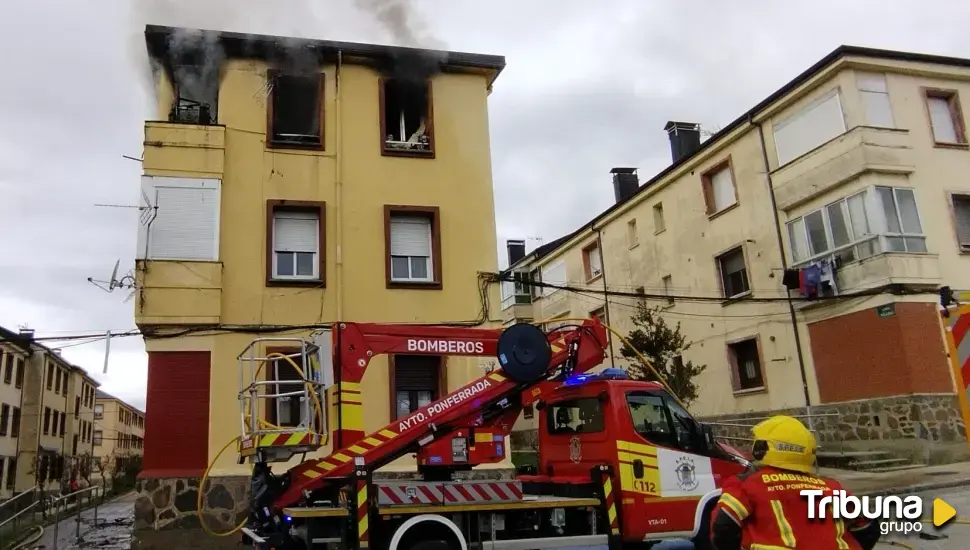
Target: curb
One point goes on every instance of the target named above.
(918, 488)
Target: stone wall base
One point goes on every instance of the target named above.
(171, 505)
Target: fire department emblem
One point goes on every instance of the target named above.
(686, 473)
(575, 450)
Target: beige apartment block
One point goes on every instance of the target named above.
(45, 415)
(857, 168)
(119, 433)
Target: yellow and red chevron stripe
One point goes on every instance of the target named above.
(610, 505)
(347, 454)
(362, 511)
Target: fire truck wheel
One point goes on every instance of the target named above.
(524, 352)
(432, 545)
(703, 539)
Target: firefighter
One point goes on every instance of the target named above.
(762, 508)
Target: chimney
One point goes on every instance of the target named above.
(516, 251)
(685, 138)
(625, 183)
(27, 333)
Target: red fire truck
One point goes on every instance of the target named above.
(620, 462)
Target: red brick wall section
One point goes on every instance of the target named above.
(864, 356)
(177, 414)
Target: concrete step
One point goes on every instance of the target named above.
(900, 468)
(868, 465)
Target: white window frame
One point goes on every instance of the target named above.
(150, 211)
(712, 181)
(659, 222)
(784, 157)
(877, 235)
(402, 218)
(721, 273)
(304, 214)
(632, 233)
(550, 275)
(594, 271)
(874, 94)
(955, 197)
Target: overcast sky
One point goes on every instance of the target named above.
(588, 86)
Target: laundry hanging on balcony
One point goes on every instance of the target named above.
(814, 280)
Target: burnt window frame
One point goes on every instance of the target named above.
(741, 384)
(271, 143)
(410, 153)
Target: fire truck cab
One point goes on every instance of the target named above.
(668, 465)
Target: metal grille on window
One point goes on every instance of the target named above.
(415, 382)
(410, 248)
(295, 236)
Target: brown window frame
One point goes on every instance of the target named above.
(952, 98)
(440, 391)
(707, 187)
(599, 312)
(736, 382)
(271, 76)
(718, 261)
(430, 153)
(433, 213)
(587, 265)
(316, 207)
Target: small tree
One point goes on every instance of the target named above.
(663, 346)
(106, 468)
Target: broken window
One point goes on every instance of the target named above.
(196, 94)
(406, 118)
(296, 103)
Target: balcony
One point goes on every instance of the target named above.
(890, 268)
(178, 292)
(180, 147)
(516, 302)
(860, 150)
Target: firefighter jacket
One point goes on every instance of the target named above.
(762, 509)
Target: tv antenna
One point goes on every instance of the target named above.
(128, 281)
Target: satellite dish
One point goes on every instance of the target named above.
(524, 352)
(113, 281)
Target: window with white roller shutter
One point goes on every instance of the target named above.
(296, 245)
(180, 219)
(553, 274)
(809, 128)
(411, 258)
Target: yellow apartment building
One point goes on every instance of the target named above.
(289, 184)
(801, 248)
(46, 403)
(119, 433)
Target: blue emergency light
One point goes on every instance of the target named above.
(606, 374)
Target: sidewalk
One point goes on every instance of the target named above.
(113, 531)
(905, 481)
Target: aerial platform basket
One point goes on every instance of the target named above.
(282, 396)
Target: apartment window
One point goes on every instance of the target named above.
(668, 283)
(632, 237)
(11, 473)
(74, 445)
(98, 412)
(180, 220)
(417, 382)
(4, 418)
(599, 314)
(904, 232)
(535, 276)
(96, 441)
(733, 272)
(407, 120)
(63, 424)
(961, 218)
(842, 228)
(553, 273)
(7, 369)
(57, 381)
(592, 262)
(55, 418)
(77, 407)
(15, 422)
(719, 189)
(19, 364)
(659, 224)
(296, 110)
(412, 239)
(808, 128)
(295, 232)
(946, 117)
(47, 420)
(875, 99)
(640, 290)
(746, 362)
(50, 376)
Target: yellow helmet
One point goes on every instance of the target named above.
(785, 443)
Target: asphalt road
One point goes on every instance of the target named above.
(112, 531)
(957, 535)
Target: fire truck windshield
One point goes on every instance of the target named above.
(658, 418)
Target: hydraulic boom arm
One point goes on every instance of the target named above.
(569, 351)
